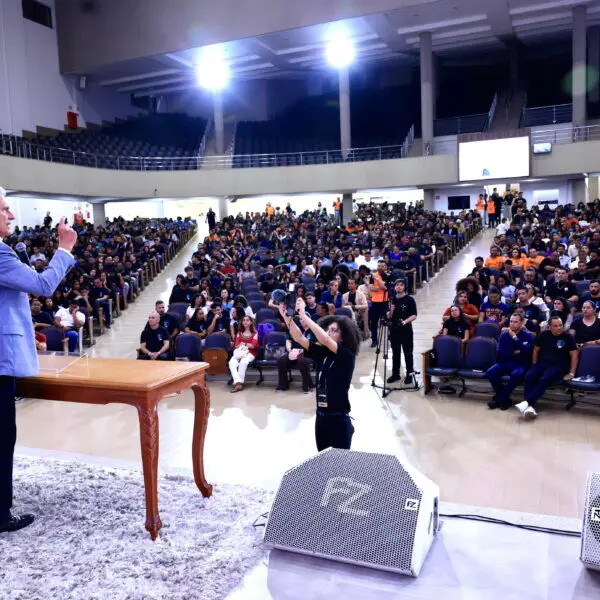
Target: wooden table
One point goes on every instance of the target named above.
(141, 384)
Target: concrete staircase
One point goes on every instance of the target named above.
(508, 110)
(210, 150)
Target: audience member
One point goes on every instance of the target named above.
(586, 329)
(154, 341)
(554, 358)
(513, 358)
(69, 321)
(245, 349)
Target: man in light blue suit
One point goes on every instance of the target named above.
(18, 357)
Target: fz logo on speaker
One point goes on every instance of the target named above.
(595, 516)
(348, 487)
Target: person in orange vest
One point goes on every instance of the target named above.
(480, 208)
(337, 207)
(270, 210)
(491, 211)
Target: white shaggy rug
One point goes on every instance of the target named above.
(89, 540)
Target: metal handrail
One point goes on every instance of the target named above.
(12, 146)
(207, 129)
(566, 135)
(491, 112)
(554, 113)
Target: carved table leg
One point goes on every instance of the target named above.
(201, 412)
(148, 416)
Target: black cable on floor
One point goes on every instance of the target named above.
(480, 518)
(517, 525)
(257, 524)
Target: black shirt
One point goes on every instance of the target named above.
(586, 333)
(154, 338)
(221, 324)
(180, 295)
(43, 318)
(565, 289)
(334, 375)
(531, 311)
(402, 308)
(554, 349)
(484, 276)
(169, 322)
(98, 292)
(198, 326)
(456, 328)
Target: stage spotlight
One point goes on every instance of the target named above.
(212, 71)
(340, 52)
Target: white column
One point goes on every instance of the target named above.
(345, 131)
(594, 62)
(578, 191)
(579, 66)
(219, 124)
(223, 209)
(347, 208)
(428, 199)
(426, 89)
(99, 213)
(593, 188)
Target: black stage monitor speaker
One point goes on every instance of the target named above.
(356, 507)
(590, 535)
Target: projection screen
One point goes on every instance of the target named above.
(493, 159)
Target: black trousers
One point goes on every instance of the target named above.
(163, 356)
(8, 438)
(303, 364)
(402, 341)
(333, 431)
(375, 311)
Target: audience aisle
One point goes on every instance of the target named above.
(123, 339)
(477, 456)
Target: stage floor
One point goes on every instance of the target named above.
(469, 560)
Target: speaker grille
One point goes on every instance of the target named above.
(590, 551)
(352, 506)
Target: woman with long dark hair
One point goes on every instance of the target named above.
(338, 342)
(560, 308)
(457, 324)
(245, 349)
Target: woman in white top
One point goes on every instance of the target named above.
(198, 301)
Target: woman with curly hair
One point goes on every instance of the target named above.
(334, 353)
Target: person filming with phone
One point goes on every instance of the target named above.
(334, 353)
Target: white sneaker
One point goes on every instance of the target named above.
(530, 413)
(522, 406)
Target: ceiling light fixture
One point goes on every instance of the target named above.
(340, 52)
(212, 71)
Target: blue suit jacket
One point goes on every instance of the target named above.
(18, 356)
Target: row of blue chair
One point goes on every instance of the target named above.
(447, 360)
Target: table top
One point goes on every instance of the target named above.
(112, 373)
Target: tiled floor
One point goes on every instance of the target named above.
(476, 456)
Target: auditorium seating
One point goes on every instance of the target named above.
(122, 145)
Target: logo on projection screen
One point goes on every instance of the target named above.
(486, 173)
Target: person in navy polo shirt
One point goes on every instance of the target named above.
(515, 346)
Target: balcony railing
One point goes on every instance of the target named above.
(547, 115)
(567, 135)
(13, 146)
